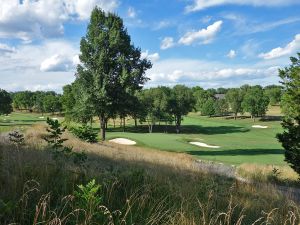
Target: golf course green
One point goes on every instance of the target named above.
(238, 141)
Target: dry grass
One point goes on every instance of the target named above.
(268, 173)
(171, 191)
(177, 161)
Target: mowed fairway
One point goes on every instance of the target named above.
(239, 142)
(19, 120)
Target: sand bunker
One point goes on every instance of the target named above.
(54, 118)
(41, 117)
(259, 126)
(123, 141)
(204, 145)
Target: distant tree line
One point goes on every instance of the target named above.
(165, 105)
(160, 105)
(39, 101)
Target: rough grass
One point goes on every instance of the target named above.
(138, 186)
(283, 175)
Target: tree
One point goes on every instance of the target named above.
(147, 98)
(274, 93)
(55, 130)
(52, 103)
(234, 98)
(290, 138)
(201, 96)
(255, 102)
(181, 103)
(5, 102)
(221, 107)
(208, 108)
(111, 67)
(24, 100)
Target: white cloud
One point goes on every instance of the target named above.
(203, 4)
(57, 63)
(167, 42)
(244, 25)
(31, 19)
(207, 73)
(287, 50)
(206, 19)
(21, 69)
(131, 13)
(163, 24)
(152, 57)
(205, 36)
(6, 49)
(231, 54)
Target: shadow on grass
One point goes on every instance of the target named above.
(237, 152)
(185, 129)
(15, 124)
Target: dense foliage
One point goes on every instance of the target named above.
(111, 68)
(290, 139)
(39, 101)
(85, 133)
(5, 102)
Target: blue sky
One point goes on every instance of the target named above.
(211, 43)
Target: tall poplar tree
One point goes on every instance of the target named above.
(111, 67)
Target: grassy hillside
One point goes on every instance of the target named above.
(137, 186)
(239, 142)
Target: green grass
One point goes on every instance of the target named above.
(240, 143)
(20, 120)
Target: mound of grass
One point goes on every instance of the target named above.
(126, 185)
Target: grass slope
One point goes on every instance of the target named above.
(240, 143)
(137, 187)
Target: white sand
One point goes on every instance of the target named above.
(123, 141)
(259, 126)
(54, 118)
(41, 117)
(204, 145)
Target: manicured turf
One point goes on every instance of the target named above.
(18, 120)
(240, 143)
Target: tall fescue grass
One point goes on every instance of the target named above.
(138, 186)
(283, 175)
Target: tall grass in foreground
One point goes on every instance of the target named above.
(132, 186)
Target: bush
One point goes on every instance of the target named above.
(85, 133)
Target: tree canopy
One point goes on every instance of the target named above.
(5, 102)
(290, 138)
(111, 68)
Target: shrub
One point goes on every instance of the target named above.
(85, 133)
(55, 131)
(16, 138)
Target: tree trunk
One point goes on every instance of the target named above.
(102, 127)
(124, 124)
(235, 115)
(135, 122)
(114, 123)
(178, 123)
